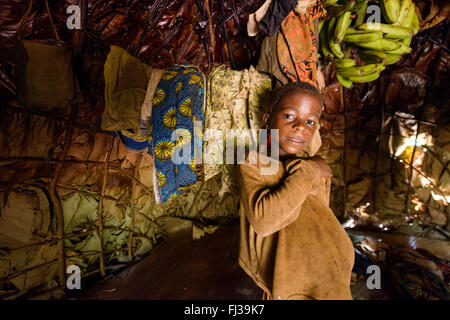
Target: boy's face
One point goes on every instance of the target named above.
(297, 117)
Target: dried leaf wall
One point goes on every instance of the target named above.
(56, 165)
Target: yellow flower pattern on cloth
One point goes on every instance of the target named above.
(169, 75)
(161, 179)
(185, 107)
(184, 137)
(196, 79)
(159, 97)
(188, 70)
(170, 118)
(163, 149)
(179, 87)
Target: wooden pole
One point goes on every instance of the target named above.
(100, 208)
(133, 201)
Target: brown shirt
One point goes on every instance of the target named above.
(291, 244)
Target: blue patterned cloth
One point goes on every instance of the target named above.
(178, 102)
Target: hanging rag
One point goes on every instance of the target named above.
(177, 104)
(126, 80)
(297, 45)
(235, 100)
(45, 78)
(268, 61)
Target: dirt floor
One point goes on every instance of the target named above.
(183, 268)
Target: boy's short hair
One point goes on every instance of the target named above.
(280, 92)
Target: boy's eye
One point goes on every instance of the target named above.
(311, 122)
(287, 116)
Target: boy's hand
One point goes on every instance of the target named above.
(323, 167)
(320, 164)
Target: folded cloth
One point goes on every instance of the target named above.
(177, 105)
(126, 79)
(297, 45)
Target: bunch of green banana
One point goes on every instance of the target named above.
(377, 44)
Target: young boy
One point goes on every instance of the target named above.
(291, 243)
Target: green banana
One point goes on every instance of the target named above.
(354, 31)
(334, 47)
(408, 21)
(321, 23)
(369, 59)
(344, 63)
(406, 42)
(392, 58)
(342, 24)
(365, 78)
(390, 9)
(376, 53)
(337, 9)
(389, 31)
(403, 49)
(344, 81)
(363, 37)
(361, 13)
(380, 44)
(404, 9)
(351, 31)
(372, 56)
(360, 70)
(327, 3)
(323, 42)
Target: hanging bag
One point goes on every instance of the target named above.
(44, 71)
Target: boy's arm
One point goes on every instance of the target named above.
(271, 209)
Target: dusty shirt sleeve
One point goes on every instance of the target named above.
(270, 209)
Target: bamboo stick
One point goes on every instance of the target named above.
(57, 208)
(100, 208)
(133, 201)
